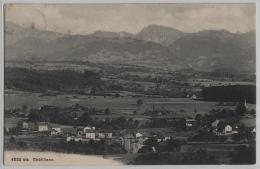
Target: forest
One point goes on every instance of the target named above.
(232, 93)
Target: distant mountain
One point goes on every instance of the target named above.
(15, 33)
(160, 34)
(99, 47)
(212, 50)
(105, 50)
(152, 33)
(21, 41)
(106, 34)
(206, 50)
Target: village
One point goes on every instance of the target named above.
(163, 131)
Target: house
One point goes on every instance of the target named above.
(24, 125)
(69, 138)
(166, 138)
(215, 123)
(27, 125)
(103, 135)
(76, 139)
(191, 123)
(138, 135)
(85, 129)
(55, 131)
(159, 140)
(91, 134)
(131, 143)
(235, 128)
(128, 139)
(227, 130)
(80, 133)
(58, 129)
(193, 97)
(43, 126)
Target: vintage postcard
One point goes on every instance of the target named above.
(129, 84)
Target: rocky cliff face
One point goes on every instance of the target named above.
(159, 34)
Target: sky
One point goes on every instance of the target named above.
(88, 18)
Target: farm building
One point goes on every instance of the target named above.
(227, 130)
(55, 131)
(86, 129)
(104, 134)
(25, 125)
(91, 134)
(43, 126)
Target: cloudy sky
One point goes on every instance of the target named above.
(85, 19)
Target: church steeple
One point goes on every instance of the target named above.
(245, 103)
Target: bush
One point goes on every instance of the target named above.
(139, 101)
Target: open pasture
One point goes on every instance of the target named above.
(118, 105)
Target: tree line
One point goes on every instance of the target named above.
(232, 93)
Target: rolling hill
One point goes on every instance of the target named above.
(212, 50)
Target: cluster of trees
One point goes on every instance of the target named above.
(15, 144)
(179, 124)
(156, 112)
(240, 110)
(205, 121)
(232, 93)
(43, 81)
(168, 88)
(92, 147)
(207, 137)
(171, 145)
(167, 91)
(118, 123)
(199, 156)
(244, 154)
(55, 115)
(232, 116)
(155, 159)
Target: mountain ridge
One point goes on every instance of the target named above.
(204, 50)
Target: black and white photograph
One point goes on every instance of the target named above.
(129, 84)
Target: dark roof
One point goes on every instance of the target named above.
(42, 123)
(70, 130)
(191, 120)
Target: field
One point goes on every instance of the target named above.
(119, 106)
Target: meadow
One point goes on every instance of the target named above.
(118, 105)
